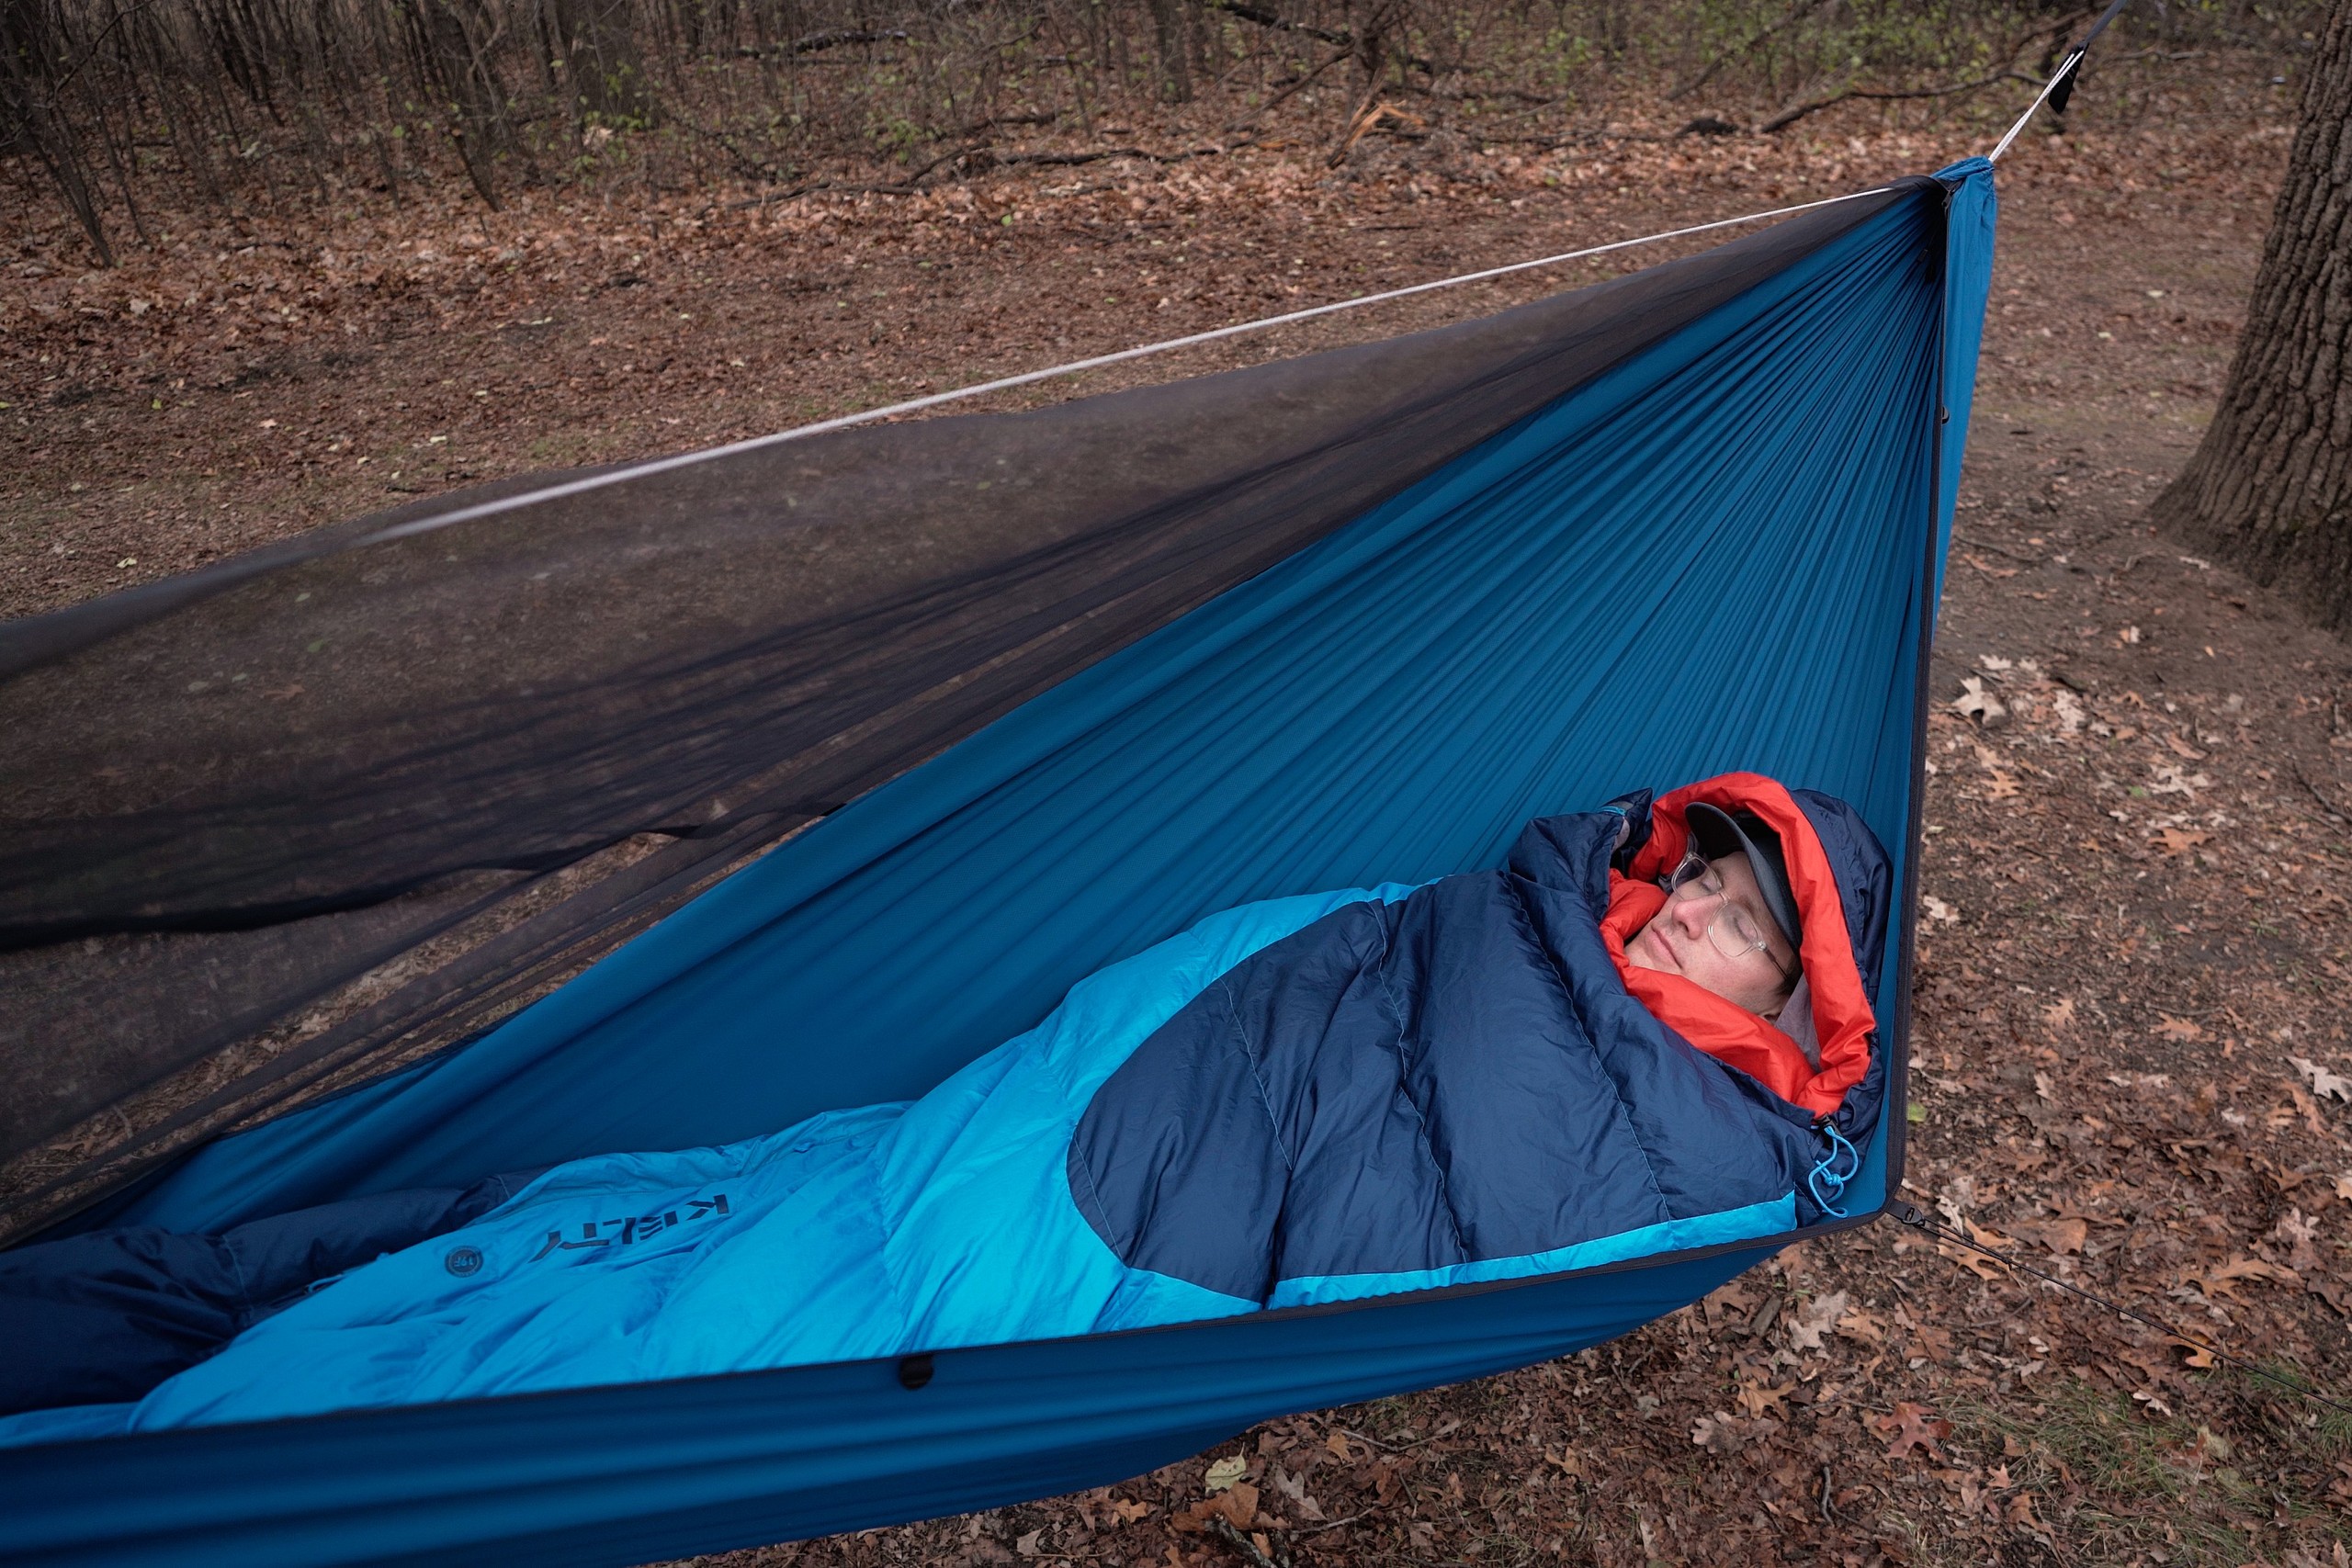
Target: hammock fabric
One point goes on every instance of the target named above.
(1084, 676)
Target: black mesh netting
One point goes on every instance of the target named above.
(452, 760)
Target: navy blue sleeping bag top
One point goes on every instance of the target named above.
(1308, 1100)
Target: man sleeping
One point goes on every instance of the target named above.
(1650, 1030)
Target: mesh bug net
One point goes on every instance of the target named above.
(458, 760)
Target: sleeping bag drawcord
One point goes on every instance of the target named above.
(1827, 1174)
(1916, 1218)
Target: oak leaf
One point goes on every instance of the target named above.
(1815, 1319)
(2325, 1084)
(1976, 1262)
(2296, 1231)
(2180, 841)
(1979, 703)
(1236, 1506)
(2222, 1279)
(1719, 1433)
(2060, 1235)
(1294, 1487)
(1911, 1427)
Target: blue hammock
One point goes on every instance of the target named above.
(1718, 549)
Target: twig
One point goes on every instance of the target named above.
(839, 36)
(1789, 117)
(1805, 8)
(1251, 123)
(912, 184)
(2325, 803)
(1266, 19)
(2151, 54)
(756, 168)
(1358, 123)
(1225, 1531)
(1071, 158)
(2054, 29)
(1390, 1447)
(1463, 95)
(1325, 1524)
(57, 89)
(1044, 116)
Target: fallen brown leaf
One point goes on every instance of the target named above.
(1911, 1427)
(2222, 1279)
(2060, 1235)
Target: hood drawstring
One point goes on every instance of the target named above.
(1826, 1175)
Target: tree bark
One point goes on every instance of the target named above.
(457, 58)
(2269, 489)
(1168, 38)
(609, 83)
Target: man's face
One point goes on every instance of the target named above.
(1676, 941)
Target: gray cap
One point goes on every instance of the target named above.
(1718, 833)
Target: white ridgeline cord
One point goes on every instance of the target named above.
(2061, 81)
(684, 459)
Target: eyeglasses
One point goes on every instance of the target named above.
(1733, 931)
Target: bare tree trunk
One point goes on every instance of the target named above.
(606, 67)
(1168, 37)
(2269, 489)
(462, 67)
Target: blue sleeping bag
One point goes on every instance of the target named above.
(1303, 1100)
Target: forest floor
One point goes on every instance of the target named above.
(2129, 1051)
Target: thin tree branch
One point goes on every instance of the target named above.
(1795, 112)
(91, 53)
(832, 40)
(1266, 19)
(1250, 123)
(1805, 8)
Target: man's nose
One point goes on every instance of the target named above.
(1694, 911)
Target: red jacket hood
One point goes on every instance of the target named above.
(1841, 1011)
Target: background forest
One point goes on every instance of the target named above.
(125, 106)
